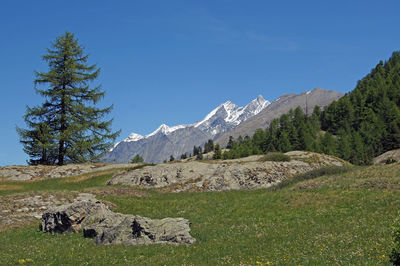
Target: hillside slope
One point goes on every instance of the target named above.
(306, 100)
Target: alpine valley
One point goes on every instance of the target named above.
(227, 119)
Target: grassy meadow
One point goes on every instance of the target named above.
(342, 218)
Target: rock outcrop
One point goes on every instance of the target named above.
(136, 230)
(387, 157)
(246, 173)
(23, 173)
(106, 227)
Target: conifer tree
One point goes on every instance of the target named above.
(230, 143)
(137, 159)
(217, 152)
(67, 127)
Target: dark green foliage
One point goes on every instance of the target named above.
(217, 152)
(390, 161)
(370, 113)
(171, 158)
(395, 254)
(183, 156)
(359, 126)
(208, 146)
(230, 143)
(195, 150)
(199, 153)
(38, 143)
(67, 127)
(199, 156)
(137, 159)
(275, 157)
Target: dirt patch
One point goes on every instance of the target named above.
(9, 187)
(77, 179)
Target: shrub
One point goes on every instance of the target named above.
(275, 157)
(137, 159)
(395, 254)
(390, 161)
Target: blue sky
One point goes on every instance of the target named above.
(174, 61)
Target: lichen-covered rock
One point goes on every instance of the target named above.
(74, 216)
(388, 157)
(23, 173)
(106, 227)
(137, 230)
(245, 173)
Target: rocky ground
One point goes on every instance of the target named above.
(208, 175)
(22, 209)
(387, 157)
(246, 173)
(24, 173)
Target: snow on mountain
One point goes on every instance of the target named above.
(257, 105)
(223, 118)
(164, 129)
(133, 137)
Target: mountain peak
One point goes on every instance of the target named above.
(134, 137)
(257, 105)
(165, 129)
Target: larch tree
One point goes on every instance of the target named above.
(67, 127)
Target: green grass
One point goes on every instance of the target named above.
(330, 219)
(275, 157)
(313, 174)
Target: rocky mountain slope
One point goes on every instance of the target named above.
(306, 100)
(246, 173)
(165, 141)
(225, 120)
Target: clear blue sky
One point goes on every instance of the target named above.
(174, 61)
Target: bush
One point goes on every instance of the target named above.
(137, 159)
(395, 254)
(390, 161)
(327, 170)
(275, 157)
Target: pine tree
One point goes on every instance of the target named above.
(217, 152)
(208, 146)
(137, 159)
(230, 143)
(195, 150)
(171, 158)
(75, 130)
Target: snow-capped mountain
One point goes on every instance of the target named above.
(176, 140)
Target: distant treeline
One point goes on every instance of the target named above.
(359, 126)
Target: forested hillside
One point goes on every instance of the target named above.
(359, 126)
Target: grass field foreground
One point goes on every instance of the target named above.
(340, 218)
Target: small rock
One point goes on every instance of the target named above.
(24, 209)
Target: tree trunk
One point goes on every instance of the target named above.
(61, 148)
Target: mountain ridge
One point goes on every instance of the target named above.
(218, 125)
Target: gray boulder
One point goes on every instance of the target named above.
(75, 216)
(106, 227)
(137, 230)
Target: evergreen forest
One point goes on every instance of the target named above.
(359, 126)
